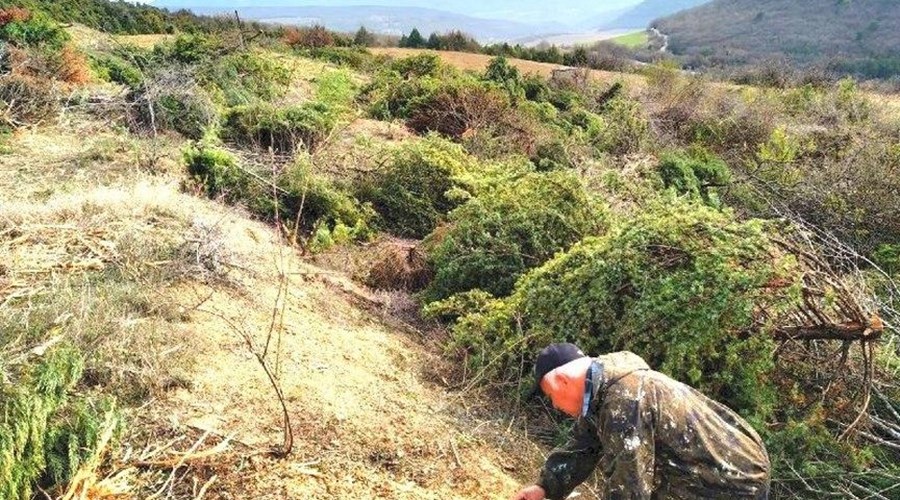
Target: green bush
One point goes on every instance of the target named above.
(244, 78)
(399, 89)
(325, 209)
(315, 204)
(284, 130)
(412, 194)
(35, 30)
(694, 173)
(506, 76)
(887, 257)
(508, 229)
(190, 48)
(678, 285)
(627, 128)
(112, 68)
(220, 174)
(357, 58)
(44, 435)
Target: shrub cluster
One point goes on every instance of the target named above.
(509, 228)
(283, 130)
(301, 200)
(415, 190)
(678, 280)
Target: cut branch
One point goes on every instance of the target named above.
(845, 331)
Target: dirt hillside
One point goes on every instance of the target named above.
(368, 402)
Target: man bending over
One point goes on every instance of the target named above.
(651, 436)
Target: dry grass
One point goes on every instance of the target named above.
(399, 265)
(478, 62)
(144, 41)
(119, 256)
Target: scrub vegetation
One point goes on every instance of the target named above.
(745, 240)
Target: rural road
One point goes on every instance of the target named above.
(664, 37)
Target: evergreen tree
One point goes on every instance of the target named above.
(404, 42)
(364, 37)
(578, 57)
(415, 40)
(434, 42)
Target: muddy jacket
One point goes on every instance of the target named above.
(656, 438)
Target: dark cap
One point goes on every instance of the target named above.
(552, 357)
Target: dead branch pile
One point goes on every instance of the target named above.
(834, 314)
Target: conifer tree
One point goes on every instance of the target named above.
(363, 37)
(434, 42)
(415, 39)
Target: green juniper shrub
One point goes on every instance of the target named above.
(419, 66)
(552, 155)
(115, 69)
(357, 58)
(244, 78)
(27, 29)
(413, 193)
(45, 435)
(695, 173)
(336, 89)
(312, 203)
(325, 209)
(190, 48)
(172, 100)
(397, 89)
(506, 76)
(220, 175)
(887, 257)
(504, 231)
(627, 129)
(284, 130)
(677, 284)
(536, 88)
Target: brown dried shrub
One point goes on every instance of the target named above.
(482, 119)
(14, 15)
(72, 66)
(25, 100)
(399, 265)
(315, 37)
(458, 110)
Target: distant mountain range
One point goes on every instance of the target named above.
(395, 21)
(858, 36)
(539, 12)
(487, 20)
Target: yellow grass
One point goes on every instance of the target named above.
(478, 62)
(371, 414)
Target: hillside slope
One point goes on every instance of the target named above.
(642, 14)
(859, 35)
(370, 415)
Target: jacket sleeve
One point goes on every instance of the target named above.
(628, 451)
(571, 465)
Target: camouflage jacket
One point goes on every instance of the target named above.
(656, 438)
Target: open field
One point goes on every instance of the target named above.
(573, 39)
(478, 62)
(632, 40)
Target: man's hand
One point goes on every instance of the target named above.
(534, 492)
